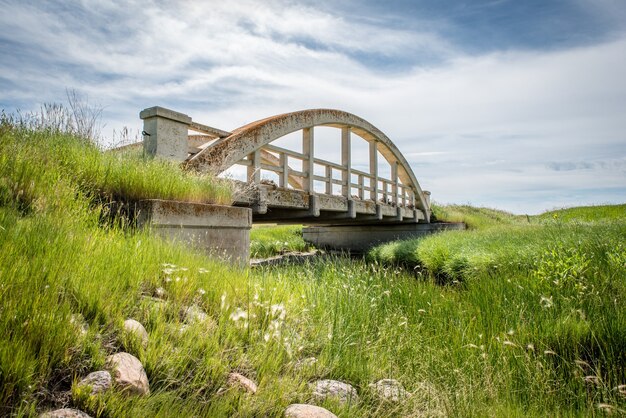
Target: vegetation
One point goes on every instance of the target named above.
(542, 338)
(267, 241)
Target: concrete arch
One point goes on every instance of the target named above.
(245, 140)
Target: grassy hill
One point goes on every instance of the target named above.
(530, 319)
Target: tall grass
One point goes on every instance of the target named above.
(544, 339)
(267, 241)
(33, 161)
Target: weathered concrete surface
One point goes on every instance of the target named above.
(280, 205)
(250, 138)
(222, 231)
(360, 238)
(165, 133)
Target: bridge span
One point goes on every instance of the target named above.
(309, 189)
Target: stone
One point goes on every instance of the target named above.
(300, 410)
(135, 328)
(64, 413)
(240, 381)
(389, 390)
(128, 373)
(343, 392)
(98, 381)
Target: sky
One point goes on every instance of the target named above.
(510, 104)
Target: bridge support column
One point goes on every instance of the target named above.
(165, 133)
(360, 238)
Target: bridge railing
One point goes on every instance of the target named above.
(368, 185)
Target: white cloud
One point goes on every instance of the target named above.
(478, 128)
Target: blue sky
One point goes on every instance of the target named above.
(519, 105)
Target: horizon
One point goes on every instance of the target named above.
(497, 104)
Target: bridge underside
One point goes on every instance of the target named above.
(272, 204)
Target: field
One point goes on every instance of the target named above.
(520, 316)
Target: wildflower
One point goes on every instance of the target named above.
(511, 332)
(167, 271)
(202, 270)
(546, 302)
(238, 314)
(278, 311)
(201, 291)
(530, 347)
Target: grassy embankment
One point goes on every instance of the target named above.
(530, 339)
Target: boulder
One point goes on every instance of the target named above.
(64, 413)
(135, 328)
(389, 390)
(299, 410)
(98, 381)
(343, 392)
(236, 380)
(128, 373)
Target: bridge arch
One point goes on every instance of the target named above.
(248, 139)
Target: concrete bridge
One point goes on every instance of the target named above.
(391, 207)
(365, 196)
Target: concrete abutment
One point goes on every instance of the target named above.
(360, 238)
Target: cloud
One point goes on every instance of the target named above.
(489, 128)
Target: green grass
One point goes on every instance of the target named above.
(268, 241)
(33, 161)
(504, 340)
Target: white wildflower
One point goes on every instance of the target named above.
(546, 302)
(238, 314)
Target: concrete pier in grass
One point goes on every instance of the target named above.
(222, 231)
(360, 238)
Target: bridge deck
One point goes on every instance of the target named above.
(280, 205)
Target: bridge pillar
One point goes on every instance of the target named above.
(165, 133)
(360, 238)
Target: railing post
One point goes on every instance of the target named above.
(329, 180)
(346, 162)
(308, 166)
(394, 182)
(374, 171)
(361, 185)
(284, 176)
(165, 133)
(254, 169)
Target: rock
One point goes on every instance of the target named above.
(135, 328)
(389, 390)
(128, 373)
(98, 381)
(300, 410)
(239, 380)
(343, 392)
(64, 413)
